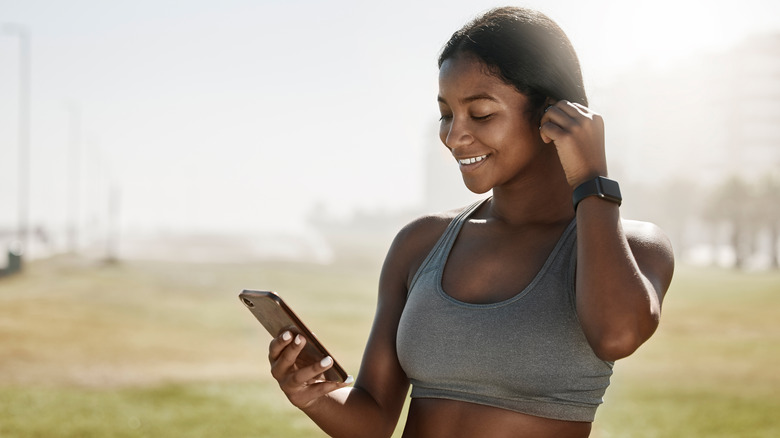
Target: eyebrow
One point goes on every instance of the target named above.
(472, 98)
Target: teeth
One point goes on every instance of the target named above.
(472, 160)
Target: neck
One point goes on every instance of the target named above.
(541, 195)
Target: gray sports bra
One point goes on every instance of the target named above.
(526, 354)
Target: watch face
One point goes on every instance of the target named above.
(610, 189)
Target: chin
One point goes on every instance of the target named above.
(476, 189)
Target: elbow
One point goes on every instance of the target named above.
(613, 348)
(620, 343)
(620, 338)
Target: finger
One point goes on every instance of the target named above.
(546, 119)
(576, 111)
(309, 394)
(554, 122)
(561, 113)
(313, 373)
(550, 131)
(589, 113)
(308, 384)
(584, 110)
(570, 117)
(583, 119)
(285, 362)
(278, 344)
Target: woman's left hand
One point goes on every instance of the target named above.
(578, 134)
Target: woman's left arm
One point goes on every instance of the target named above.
(624, 268)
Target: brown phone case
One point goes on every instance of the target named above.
(274, 314)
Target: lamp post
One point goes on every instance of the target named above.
(74, 127)
(23, 35)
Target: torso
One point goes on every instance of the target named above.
(511, 257)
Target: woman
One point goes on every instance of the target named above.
(506, 316)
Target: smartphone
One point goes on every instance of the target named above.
(276, 316)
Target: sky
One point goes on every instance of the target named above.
(240, 115)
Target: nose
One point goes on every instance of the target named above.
(454, 133)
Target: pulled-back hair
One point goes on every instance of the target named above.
(526, 49)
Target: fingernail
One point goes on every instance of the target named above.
(349, 380)
(326, 361)
(286, 336)
(298, 340)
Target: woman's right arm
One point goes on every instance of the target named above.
(373, 405)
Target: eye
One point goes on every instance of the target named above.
(482, 118)
(445, 117)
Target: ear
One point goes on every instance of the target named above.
(540, 110)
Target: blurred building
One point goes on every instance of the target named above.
(704, 119)
(678, 136)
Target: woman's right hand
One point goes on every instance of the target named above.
(302, 383)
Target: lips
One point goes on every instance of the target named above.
(471, 160)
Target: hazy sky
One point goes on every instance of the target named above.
(238, 115)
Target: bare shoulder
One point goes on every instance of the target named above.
(646, 235)
(652, 250)
(426, 227)
(414, 241)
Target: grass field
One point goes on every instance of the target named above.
(144, 349)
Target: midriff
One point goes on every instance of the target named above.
(441, 418)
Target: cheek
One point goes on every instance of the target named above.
(522, 131)
(513, 139)
(497, 135)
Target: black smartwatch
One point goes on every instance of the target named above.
(604, 188)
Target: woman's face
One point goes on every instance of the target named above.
(484, 124)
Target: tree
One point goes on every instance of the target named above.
(734, 203)
(768, 212)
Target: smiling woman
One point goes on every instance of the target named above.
(505, 316)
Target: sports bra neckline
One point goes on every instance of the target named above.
(444, 251)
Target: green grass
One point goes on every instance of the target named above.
(167, 350)
(180, 410)
(710, 370)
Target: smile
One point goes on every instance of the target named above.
(472, 160)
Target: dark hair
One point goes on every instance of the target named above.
(526, 49)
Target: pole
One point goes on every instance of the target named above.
(23, 229)
(74, 112)
(24, 139)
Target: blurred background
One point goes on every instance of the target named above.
(158, 156)
(127, 128)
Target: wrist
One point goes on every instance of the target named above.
(600, 187)
(583, 177)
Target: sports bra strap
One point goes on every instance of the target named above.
(442, 248)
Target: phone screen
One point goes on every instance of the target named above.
(276, 316)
